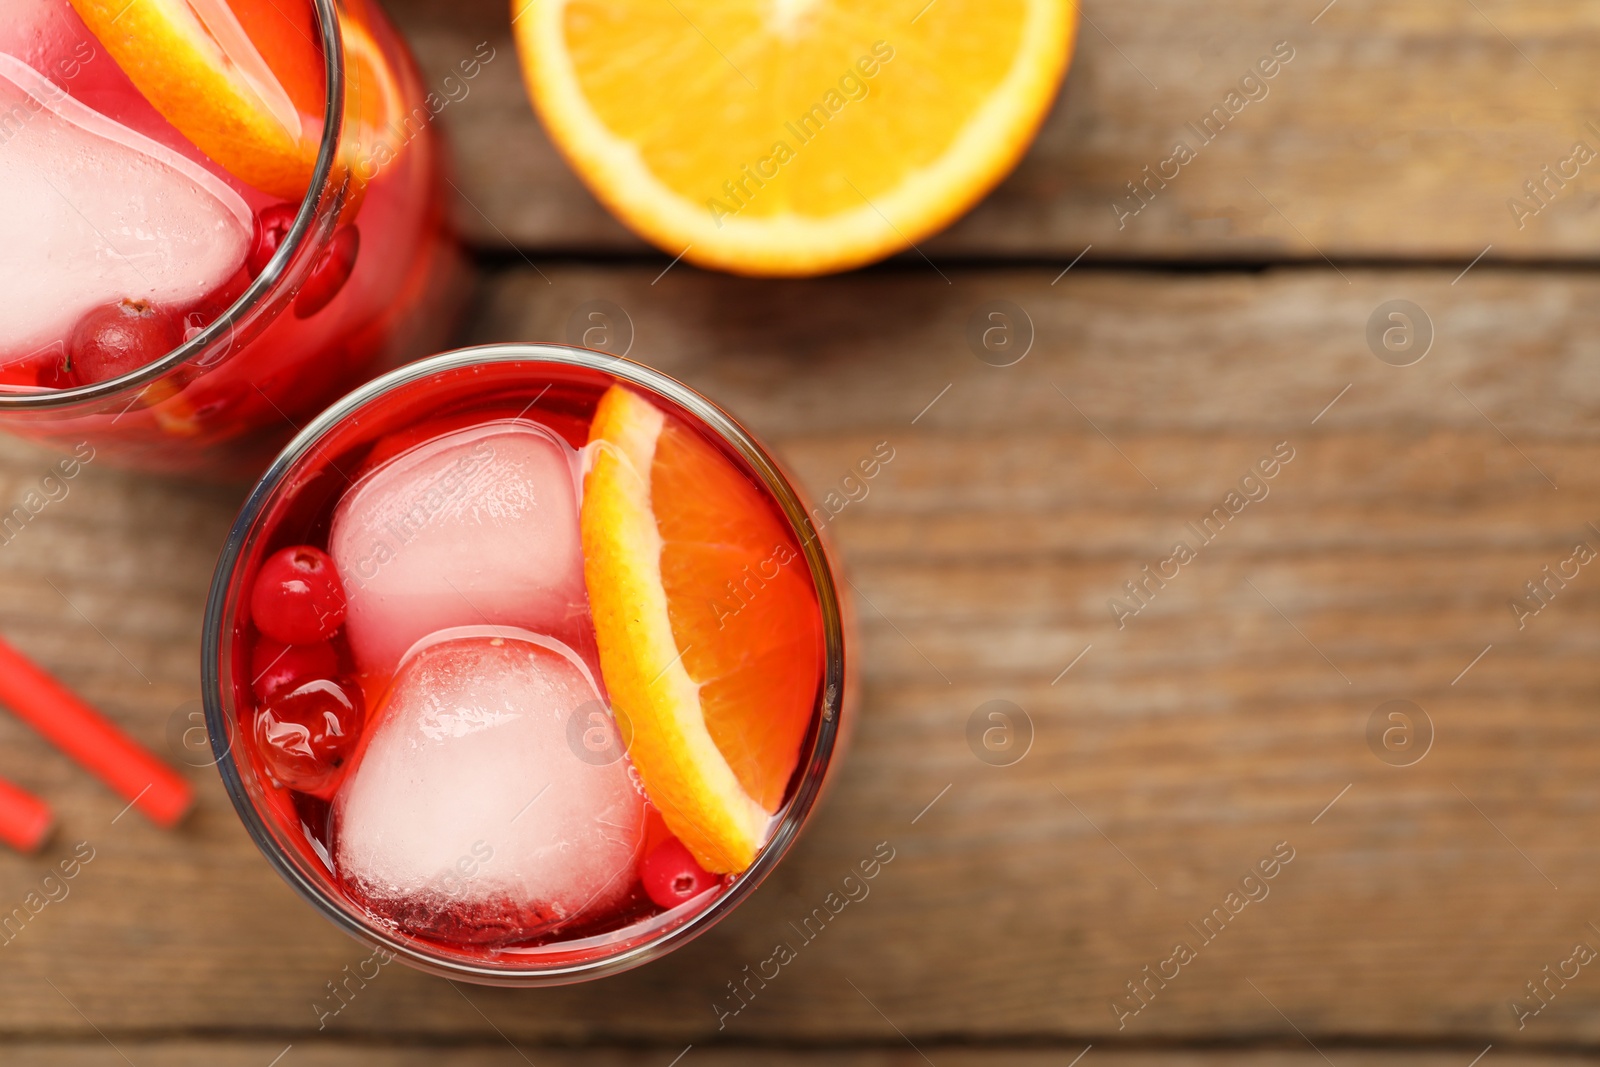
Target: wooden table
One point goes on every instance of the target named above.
(1172, 750)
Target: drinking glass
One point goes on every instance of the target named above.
(291, 504)
(220, 404)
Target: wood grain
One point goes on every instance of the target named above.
(1398, 130)
(1225, 718)
(326, 1054)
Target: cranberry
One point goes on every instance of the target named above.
(297, 597)
(115, 339)
(306, 735)
(671, 875)
(330, 273)
(276, 668)
(271, 224)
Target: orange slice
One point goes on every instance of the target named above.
(243, 80)
(708, 627)
(374, 107)
(792, 137)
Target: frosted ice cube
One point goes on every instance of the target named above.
(477, 526)
(472, 813)
(95, 212)
(41, 33)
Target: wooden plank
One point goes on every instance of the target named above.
(1226, 717)
(1399, 129)
(303, 1053)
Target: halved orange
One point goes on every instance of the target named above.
(708, 627)
(794, 137)
(244, 81)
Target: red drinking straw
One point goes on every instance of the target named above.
(25, 820)
(85, 735)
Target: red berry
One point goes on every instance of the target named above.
(271, 224)
(330, 273)
(306, 735)
(671, 875)
(116, 339)
(297, 597)
(276, 668)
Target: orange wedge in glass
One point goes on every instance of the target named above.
(244, 80)
(792, 137)
(708, 626)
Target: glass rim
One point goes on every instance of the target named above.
(813, 763)
(222, 326)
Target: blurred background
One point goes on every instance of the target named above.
(1339, 748)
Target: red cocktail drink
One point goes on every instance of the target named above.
(220, 216)
(524, 663)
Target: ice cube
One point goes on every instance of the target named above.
(476, 812)
(95, 212)
(477, 526)
(45, 34)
